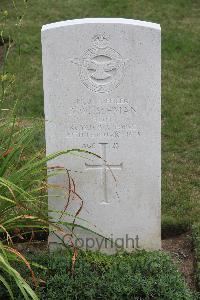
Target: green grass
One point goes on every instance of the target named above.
(180, 22)
(142, 275)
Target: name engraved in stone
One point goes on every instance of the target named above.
(102, 107)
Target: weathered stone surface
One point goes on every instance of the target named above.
(102, 94)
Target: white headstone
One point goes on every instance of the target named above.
(102, 93)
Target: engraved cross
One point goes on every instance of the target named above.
(104, 167)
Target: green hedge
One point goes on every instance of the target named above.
(196, 240)
(142, 275)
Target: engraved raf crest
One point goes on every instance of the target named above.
(101, 68)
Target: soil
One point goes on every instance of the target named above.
(181, 250)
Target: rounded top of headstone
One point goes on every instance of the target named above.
(101, 21)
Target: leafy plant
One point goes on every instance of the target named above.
(13, 207)
(23, 176)
(7, 254)
(23, 193)
(141, 275)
